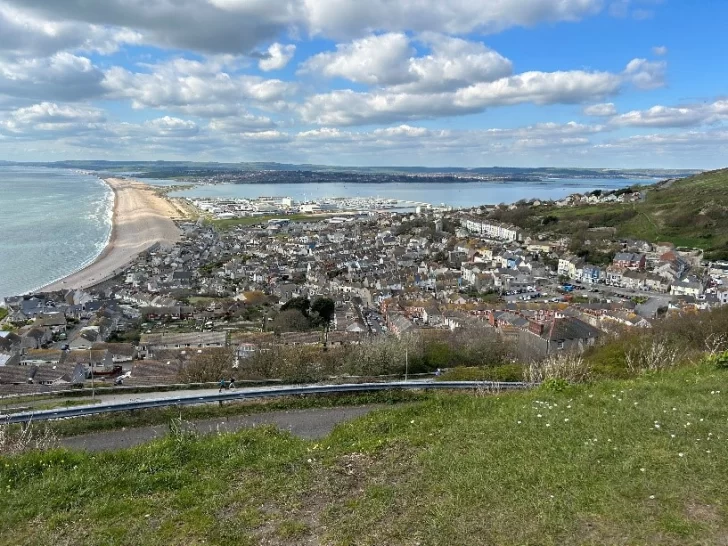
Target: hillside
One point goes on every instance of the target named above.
(691, 212)
(641, 461)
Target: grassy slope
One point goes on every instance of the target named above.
(454, 469)
(668, 214)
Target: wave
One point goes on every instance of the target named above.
(106, 206)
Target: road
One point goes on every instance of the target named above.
(308, 424)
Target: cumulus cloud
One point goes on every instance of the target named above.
(646, 74)
(659, 50)
(345, 18)
(49, 120)
(194, 88)
(666, 116)
(603, 109)
(347, 107)
(389, 60)
(276, 57)
(61, 77)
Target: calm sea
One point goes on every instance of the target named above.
(460, 195)
(52, 222)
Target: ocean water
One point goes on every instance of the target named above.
(459, 195)
(53, 222)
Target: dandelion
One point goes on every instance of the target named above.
(652, 497)
(568, 407)
(642, 470)
(539, 415)
(548, 424)
(701, 419)
(519, 422)
(707, 451)
(657, 425)
(566, 420)
(681, 454)
(672, 435)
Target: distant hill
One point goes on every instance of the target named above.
(689, 212)
(169, 169)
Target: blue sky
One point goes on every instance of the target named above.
(599, 83)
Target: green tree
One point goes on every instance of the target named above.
(323, 309)
(300, 304)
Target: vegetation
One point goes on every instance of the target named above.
(632, 462)
(692, 212)
(3, 313)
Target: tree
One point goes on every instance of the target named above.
(300, 304)
(323, 310)
(291, 320)
(207, 366)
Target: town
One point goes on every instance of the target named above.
(247, 292)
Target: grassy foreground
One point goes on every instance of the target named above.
(640, 461)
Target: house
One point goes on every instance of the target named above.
(149, 343)
(567, 334)
(630, 260)
(687, 287)
(120, 352)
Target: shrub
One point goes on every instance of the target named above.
(719, 360)
(652, 355)
(568, 367)
(15, 440)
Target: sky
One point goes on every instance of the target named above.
(461, 83)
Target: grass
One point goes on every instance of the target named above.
(692, 212)
(3, 313)
(161, 416)
(642, 461)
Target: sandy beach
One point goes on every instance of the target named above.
(141, 219)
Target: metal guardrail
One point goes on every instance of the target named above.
(84, 411)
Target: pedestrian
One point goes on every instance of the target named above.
(437, 372)
(232, 383)
(222, 385)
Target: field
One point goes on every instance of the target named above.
(692, 212)
(640, 461)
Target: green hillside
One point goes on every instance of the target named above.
(640, 461)
(692, 212)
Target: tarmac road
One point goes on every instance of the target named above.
(308, 424)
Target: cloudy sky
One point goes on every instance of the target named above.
(612, 83)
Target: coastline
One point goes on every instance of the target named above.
(140, 219)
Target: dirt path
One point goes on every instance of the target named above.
(308, 424)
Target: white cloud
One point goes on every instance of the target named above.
(388, 60)
(659, 50)
(602, 109)
(61, 77)
(646, 74)
(346, 18)
(666, 116)
(194, 88)
(375, 60)
(49, 120)
(276, 57)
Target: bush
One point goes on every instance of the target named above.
(567, 367)
(719, 360)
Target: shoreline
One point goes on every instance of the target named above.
(140, 219)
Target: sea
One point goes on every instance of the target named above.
(457, 195)
(53, 222)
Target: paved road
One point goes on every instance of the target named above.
(308, 424)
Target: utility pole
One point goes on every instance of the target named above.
(93, 386)
(406, 364)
